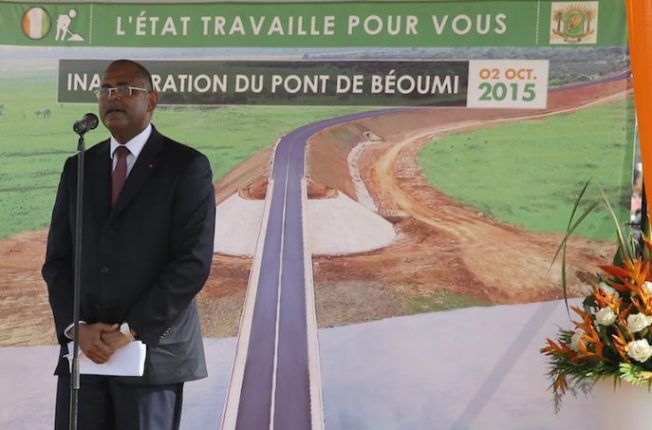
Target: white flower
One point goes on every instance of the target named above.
(607, 289)
(637, 322)
(648, 286)
(576, 339)
(605, 316)
(639, 350)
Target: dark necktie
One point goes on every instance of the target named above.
(119, 173)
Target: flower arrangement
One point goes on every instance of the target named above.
(612, 336)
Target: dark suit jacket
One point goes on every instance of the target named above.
(144, 260)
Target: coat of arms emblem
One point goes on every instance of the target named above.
(574, 22)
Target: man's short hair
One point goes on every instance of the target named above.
(144, 73)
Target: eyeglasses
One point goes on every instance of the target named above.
(121, 90)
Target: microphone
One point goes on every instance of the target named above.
(87, 123)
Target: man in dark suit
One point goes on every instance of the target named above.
(148, 225)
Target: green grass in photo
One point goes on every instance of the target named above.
(529, 173)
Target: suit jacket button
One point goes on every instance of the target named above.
(104, 270)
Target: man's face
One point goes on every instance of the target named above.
(126, 115)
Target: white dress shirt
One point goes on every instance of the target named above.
(135, 146)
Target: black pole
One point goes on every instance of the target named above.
(645, 222)
(74, 374)
(644, 218)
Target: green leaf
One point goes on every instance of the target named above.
(628, 253)
(570, 228)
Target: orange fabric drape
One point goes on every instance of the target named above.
(639, 20)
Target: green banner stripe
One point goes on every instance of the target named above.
(347, 24)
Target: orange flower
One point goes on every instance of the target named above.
(560, 384)
(555, 348)
(590, 337)
(621, 344)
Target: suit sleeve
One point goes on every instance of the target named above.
(58, 267)
(183, 277)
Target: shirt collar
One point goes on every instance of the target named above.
(136, 144)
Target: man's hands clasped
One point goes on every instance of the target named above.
(99, 341)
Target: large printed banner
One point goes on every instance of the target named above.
(447, 142)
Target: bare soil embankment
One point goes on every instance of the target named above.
(449, 254)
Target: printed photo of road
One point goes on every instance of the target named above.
(373, 184)
(380, 231)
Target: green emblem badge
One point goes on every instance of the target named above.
(574, 22)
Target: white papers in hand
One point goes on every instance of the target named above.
(126, 361)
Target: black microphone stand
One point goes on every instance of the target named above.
(74, 374)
